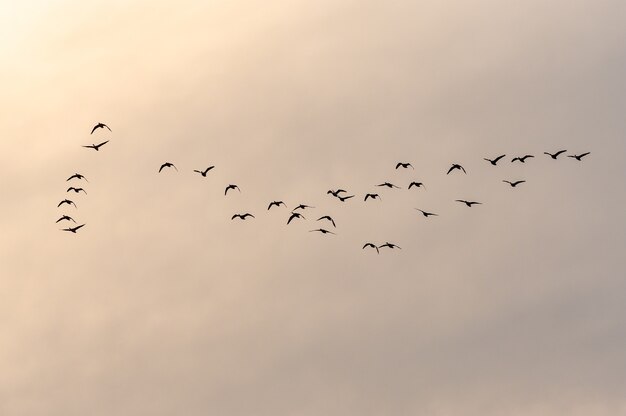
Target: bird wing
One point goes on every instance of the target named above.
(398, 165)
(195, 170)
(94, 128)
(583, 155)
(102, 144)
(91, 146)
(498, 158)
(79, 227)
(161, 168)
(107, 127)
(559, 152)
(450, 170)
(463, 169)
(366, 196)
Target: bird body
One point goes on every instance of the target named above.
(336, 193)
(231, 186)
(456, 166)
(302, 206)
(555, 155)
(388, 185)
(242, 216)
(73, 229)
(76, 190)
(99, 126)
(579, 157)
(427, 214)
(295, 215)
(204, 172)
(390, 245)
(521, 159)
(416, 184)
(372, 196)
(322, 230)
(372, 246)
(494, 162)
(513, 184)
(167, 165)
(66, 217)
(66, 201)
(76, 176)
(276, 204)
(344, 198)
(327, 217)
(468, 203)
(404, 165)
(96, 147)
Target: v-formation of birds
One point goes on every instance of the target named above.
(296, 213)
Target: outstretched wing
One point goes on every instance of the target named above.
(102, 144)
(498, 158)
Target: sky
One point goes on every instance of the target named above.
(162, 305)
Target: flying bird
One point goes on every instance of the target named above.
(404, 165)
(555, 155)
(302, 206)
(372, 196)
(96, 147)
(343, 198)
(276, 204)
(242, 216)
(427, 214)
(295, 215)
(335, 193)
(514, 184)
(77, 176)
(388, 185)
(417, 184)
(322, 230)
(77, 190)
(390, 245)
(372, 246)
(66, 217)
(579, 157)
(73, 229)
(327, 217)
(494, 162)
(468, 203)
(204, 172)
(99, 126)
(456, 166)
(167, 165)
(68, 202)
(521, 159)
(229, 187)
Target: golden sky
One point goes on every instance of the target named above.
(162, 305)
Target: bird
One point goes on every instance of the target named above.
(404, 165)
(521, 159)
(513, 184)
(66, 201)
(468, 203)
(73, 229)
(456, 166)
(427, 214)
(77, 176)
(66, 217)
(295, 215)
(390, 245)
(388, 185)
(231, 186)
(167, 165)
(579, 157)
(373, 196)
(276, 203)
(372, 246)
(343, 198)
(555, 155)
(302, 206)
(322, 230)
(417, 184)
(77, 190)
(99, 126)
(335, 193)
(242, 216)
(96, 147)
(494, 162)
(327, 217)
(204, 172)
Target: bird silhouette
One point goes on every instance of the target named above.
(521, 159)
(204, 172)
(327, 217)
(468, 203)
(73, 229)
(77, 190)
(336, 193)
(231, 186)
(494, 162)
(68, 202)
(302, 206)
(276, 204)
(555, 155)
(390, 245)
(514, 184)
(427, 214)
(404, 165)
(66, 217)
(456, 166)
(242, 216)
(343, 198)
(76, 176)
(372, 246)
(388, 185)
(295, 215)
(96, 147)
(416, 184)
(99, 126)
(322, 230)
(579, 157)
(167, 165)
(372, 196)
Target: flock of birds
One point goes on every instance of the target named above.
(297, 212)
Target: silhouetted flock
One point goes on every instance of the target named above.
(296, 213)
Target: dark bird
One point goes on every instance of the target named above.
(167, 165)
(295, 215)
(99, 126)
(456, 166)
(327, 217)
(302, 206)
(417, 184)
(343, 198)
(96, 147)
(77, 190)
(390, 245)
(426, 214)
(276, 204)
(77, 176)
(73, 229)
(242, 216)
(323, 231)
(521, 159)
(514, 184)
(579, 157)
(66, 201)
(204, 172)
(373, 196)
(494, 162)
(404, 165)
(555, 155)
(388, 185)
(66, 217)
(468, 203)
(335, 193)
(229, 187)
(372, 246)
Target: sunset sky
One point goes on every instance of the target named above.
(162, 305)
